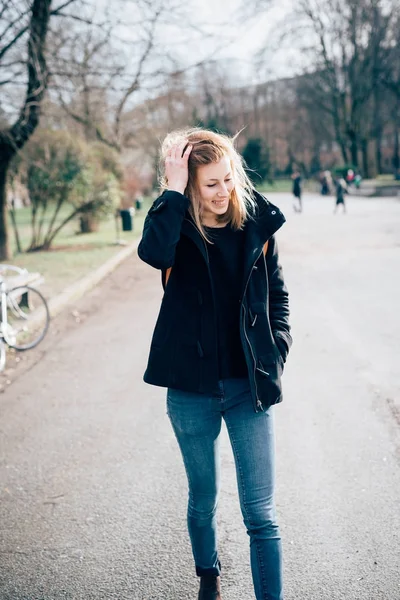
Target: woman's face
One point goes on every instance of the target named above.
(215, 184)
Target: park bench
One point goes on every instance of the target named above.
(371, 189)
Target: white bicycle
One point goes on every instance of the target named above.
(25, 316)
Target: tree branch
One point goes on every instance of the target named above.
(87, 122)
(56, 11)
(15, 137)
(6, 48)
(135, 84)
(11, 25)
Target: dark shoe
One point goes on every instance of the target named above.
(210, 587)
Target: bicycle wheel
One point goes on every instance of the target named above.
(28, 318)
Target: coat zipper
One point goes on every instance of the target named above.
(248, 279)
(259, 405)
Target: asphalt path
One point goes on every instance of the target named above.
(92, 488)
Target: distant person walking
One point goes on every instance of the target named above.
(341, 190)
(220, 342)
(298, 205)
(326, 183)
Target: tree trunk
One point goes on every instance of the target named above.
(15, 226)
(13, 138)
(337, 128)
(5, 251)
(396, 150)
(353, 149)
(378, 130)
(364, 150)
(378, 153)
(315, 166)
(88, 223)
(343, 150)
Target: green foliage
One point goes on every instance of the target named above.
(3, 119)
(54, 163)
(15, 168)
(256, 156)
(277, 185)
(342, 171)
(107, 158)
(98, 193)
(62, 170)
(315, 164)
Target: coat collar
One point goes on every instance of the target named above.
(259, 227)
(266, 220)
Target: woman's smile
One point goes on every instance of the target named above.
(220, 202)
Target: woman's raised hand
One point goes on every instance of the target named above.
(176, 167)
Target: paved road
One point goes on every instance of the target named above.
(92, 490)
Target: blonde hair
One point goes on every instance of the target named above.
(210, 147)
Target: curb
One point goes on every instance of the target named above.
(88, 282)
(75, 291)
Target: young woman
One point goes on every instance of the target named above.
(221, 340)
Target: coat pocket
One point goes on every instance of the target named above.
(270, 365)
(268, 373)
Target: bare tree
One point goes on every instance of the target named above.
(25, 64)
(32, 23)
(345, 48)
(100, 79)
(390, 78)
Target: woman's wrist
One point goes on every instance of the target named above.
(176, 188)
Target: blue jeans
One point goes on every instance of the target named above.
(196, 420)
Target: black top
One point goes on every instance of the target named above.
(339, 192)
(226, 255)
(297, 186)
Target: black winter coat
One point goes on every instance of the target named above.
(183, 351)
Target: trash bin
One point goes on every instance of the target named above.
(139, 204)
(127, 219)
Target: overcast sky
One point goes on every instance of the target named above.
(248, 37)
(233, 36)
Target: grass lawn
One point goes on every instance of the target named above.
(72, 255)
(279, 185)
